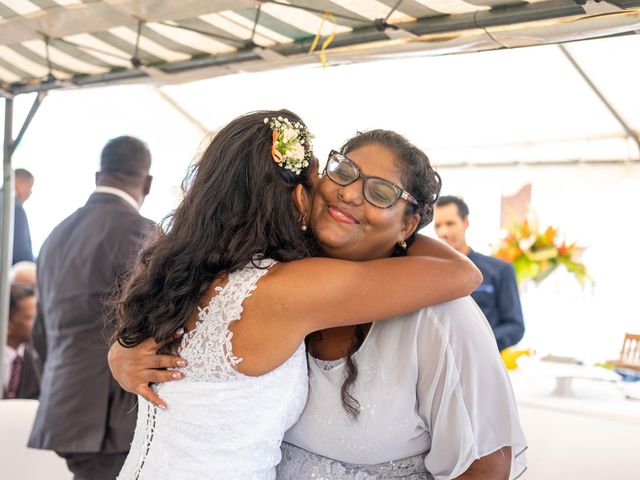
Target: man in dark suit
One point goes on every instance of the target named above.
(83, 414)
(498, 296)
(20, 379)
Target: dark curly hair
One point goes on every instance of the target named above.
(420, 180)
(237, 205)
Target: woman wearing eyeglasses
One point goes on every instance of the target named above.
(232, 270)
(429, 391)
(422, 396)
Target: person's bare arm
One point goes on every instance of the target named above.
(134, 368)
(322, 293)
(318, 293)
(495, 466)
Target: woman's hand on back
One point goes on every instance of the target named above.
(135, 368)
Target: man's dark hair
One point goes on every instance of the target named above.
(126, 156)
(463, 208)
(23, 174)
(19, 293)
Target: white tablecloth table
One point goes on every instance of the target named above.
(17, 462)
(592, 434)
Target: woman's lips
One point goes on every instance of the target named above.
(340, 215)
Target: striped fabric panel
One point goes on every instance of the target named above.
(44, 4)
(216, 24)
(453, 7)
(151, 31)
(21, 7)
(307, 23)
(67, 3)
(28, 60)
(218, 32)
(102, 50)
(127, 46)
(8, 76)
(348, 18)
(14, 70)
(247, 21)
(373, 9)
(495, 3)
(196, 42)
(82, 55)
(274, 24)
(6, 12)
(159, 51)
(64, 60)
(25, 64)
(412, 8)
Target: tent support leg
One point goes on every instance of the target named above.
(7, 227)
(630, 133)
(8, 197)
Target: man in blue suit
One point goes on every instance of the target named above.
(498, 295)
(22, 250)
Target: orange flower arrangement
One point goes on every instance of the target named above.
(535, 254)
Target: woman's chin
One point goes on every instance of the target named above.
(331, 237)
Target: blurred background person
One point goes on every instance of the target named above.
(498, 296)
(83, 415)
(20, 379)
(23, 273)
(22, 249)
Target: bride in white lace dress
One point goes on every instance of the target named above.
(232, 269)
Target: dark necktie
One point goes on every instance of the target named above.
(14, 377)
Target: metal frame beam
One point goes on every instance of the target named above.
(182, 111)
(629, 131)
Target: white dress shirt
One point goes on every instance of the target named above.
(118, 193)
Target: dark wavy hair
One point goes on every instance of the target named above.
(420, 180)
(237, 205)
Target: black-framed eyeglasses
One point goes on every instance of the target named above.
(377, 191)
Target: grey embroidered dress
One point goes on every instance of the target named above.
(434, 397)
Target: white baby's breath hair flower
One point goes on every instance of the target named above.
(291, 147)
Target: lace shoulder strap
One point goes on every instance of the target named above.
(208, 348)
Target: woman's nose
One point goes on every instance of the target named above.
(351, 193)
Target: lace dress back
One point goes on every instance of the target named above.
(220, 424)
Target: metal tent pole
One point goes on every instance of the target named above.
(628, 130)
(7, 227)
(8, 205)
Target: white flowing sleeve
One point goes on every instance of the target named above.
(464, 392)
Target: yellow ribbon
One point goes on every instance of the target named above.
(327, 41)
